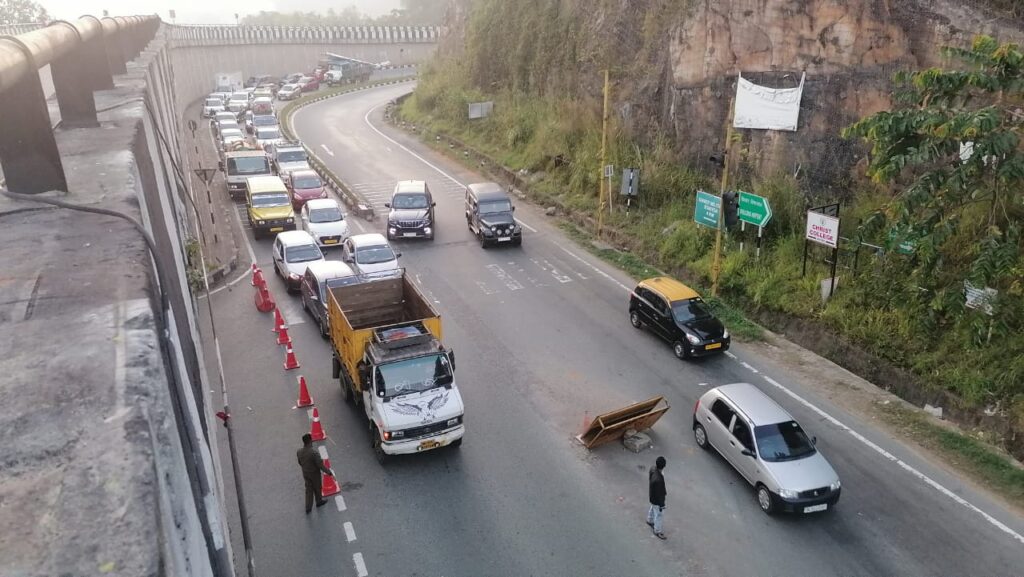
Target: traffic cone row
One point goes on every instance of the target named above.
(290, 362)
(283, 338)
(278, 321)
(264, 302)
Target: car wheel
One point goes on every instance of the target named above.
(346, 389)
(701, 436)
(764, 499)
(679, 349)
(634, 319)
(378, 447)
(323, 329)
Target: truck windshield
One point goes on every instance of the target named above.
(248, 165)
(291, 156)
(414, 375)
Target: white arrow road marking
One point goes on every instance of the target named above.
(327, 150)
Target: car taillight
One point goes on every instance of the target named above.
(696, 406)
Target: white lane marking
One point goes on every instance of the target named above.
(360, 565)
(350, 532)
(366, 119)
(730, 355)
(928, 480)
(749, 368)
(504, 277)
(339, 502)
(546, 266)
(323, 452)
(599, 271)
(486, 289)
(327, 150)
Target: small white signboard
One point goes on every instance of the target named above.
(979, 298)
(823, 229)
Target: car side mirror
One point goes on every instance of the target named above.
(748, 452)
(398, 254)
(814, 440)
(451, 358)
(513, 209)
(433, 204)
(314, 298)
(387, 205)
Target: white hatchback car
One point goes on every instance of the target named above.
(369, 253)
(325, 221)
(293, 252)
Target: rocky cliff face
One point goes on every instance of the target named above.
(677, 61)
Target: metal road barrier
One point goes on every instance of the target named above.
(610, 426)
(83, 57)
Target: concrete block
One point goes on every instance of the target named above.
(636, 442)
(933, 411)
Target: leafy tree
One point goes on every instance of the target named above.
(22, 12)
(952, 149)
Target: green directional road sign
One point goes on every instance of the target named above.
(754, 209)
(706, 210)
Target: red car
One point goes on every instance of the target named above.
(305, 185)
(308, 83)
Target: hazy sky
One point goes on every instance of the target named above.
(204, 11)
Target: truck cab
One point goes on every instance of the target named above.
(240, 165)
(390, 361)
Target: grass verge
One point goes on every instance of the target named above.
(974, 457)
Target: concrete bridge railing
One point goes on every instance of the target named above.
(227, 35)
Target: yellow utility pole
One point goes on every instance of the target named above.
(604, 152)
(716, 267)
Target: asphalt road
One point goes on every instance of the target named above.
(542, 338)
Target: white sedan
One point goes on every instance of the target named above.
(370, 253)
(325, 221)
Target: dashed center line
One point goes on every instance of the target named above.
(327, 150)
(360, 565)
(350, 532)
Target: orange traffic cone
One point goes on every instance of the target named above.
(329, 485)
(255, 269)
(290, 361)
(317, 430)
(278, 320)
(283, 338)
(304, 399)
(258, 278)
(264, 302)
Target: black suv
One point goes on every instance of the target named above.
(489, 215)
(412, 211)
(676, 313)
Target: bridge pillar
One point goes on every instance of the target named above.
(28, 149)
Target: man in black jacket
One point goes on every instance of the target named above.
(657, 497)
(312, 465)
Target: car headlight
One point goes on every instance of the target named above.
(397, 434)
(293, 276)
(323, 194)
(392, 230)
(290, 220)
(788, 494)
(725, 334)
(426, 230)
(455, 421)
(261, 222)
(694, 340)
(494, 229)
(836, 485)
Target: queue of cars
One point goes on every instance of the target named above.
(287, 199)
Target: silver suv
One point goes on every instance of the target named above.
(768, 448)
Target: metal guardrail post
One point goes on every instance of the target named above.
(28, 149)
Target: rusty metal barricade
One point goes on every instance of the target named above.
(613, 425)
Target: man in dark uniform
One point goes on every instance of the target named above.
(312, 465)
(656, 482)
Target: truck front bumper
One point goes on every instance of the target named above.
(424, 443)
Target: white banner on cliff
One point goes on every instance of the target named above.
(766, 108)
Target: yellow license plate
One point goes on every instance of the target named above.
(331, 241)
(429, 445)
(712, 346)
(277, 229)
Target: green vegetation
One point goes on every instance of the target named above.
(960, 220)
(975, 456)
(418, 13)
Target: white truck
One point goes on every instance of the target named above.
(228, 81)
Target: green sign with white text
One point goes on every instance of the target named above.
(706, 209)
(754, 209)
